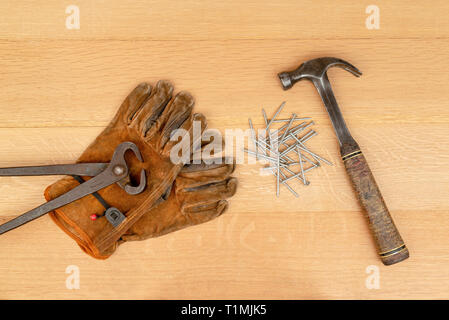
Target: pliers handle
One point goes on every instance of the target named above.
(107, 174)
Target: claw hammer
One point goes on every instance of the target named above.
(390, 246)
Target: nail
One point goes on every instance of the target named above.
(264, 117)
(256, 144)
(317, 164)
(290, 148)
(303, 148)
(291, 130)
(286, 120)
(302, 168)
(259, 155)
(282, 165)
(311, 123)
(288, 127)
(285, 183)
(264, 114)
(275, 115)
(288, 187)
(307, 136)
(277, 185)
(293, 175)
(274, 136)
(253, 135)
(317, 157)
(271, 149)
(266, 146)
(297, 175)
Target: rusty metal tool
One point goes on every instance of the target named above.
(391, 247)
(104, 174)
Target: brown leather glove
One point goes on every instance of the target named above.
(198, 195)
(147, 117)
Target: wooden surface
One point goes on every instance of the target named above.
(60, 87)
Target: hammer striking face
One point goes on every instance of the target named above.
(391, 247)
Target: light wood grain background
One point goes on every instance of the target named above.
(60, 87)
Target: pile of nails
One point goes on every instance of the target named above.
(284, 148)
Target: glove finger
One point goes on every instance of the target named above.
(178, 110)
(205, 212)
(192, 217)
(209, 168)
(209, 146)
(148, 114)
(188, 141)
(181, 111)
(193, 175)
(133, 102)
(206, 193)
(161, 221)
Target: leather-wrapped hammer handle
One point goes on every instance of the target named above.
(391, 247)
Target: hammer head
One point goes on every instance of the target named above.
(315, 69)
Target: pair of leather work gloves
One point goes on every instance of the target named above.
(176, 196)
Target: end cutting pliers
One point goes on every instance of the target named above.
(104, 174)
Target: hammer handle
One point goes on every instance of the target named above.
(390, 246)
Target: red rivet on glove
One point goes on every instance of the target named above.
(93, 217)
